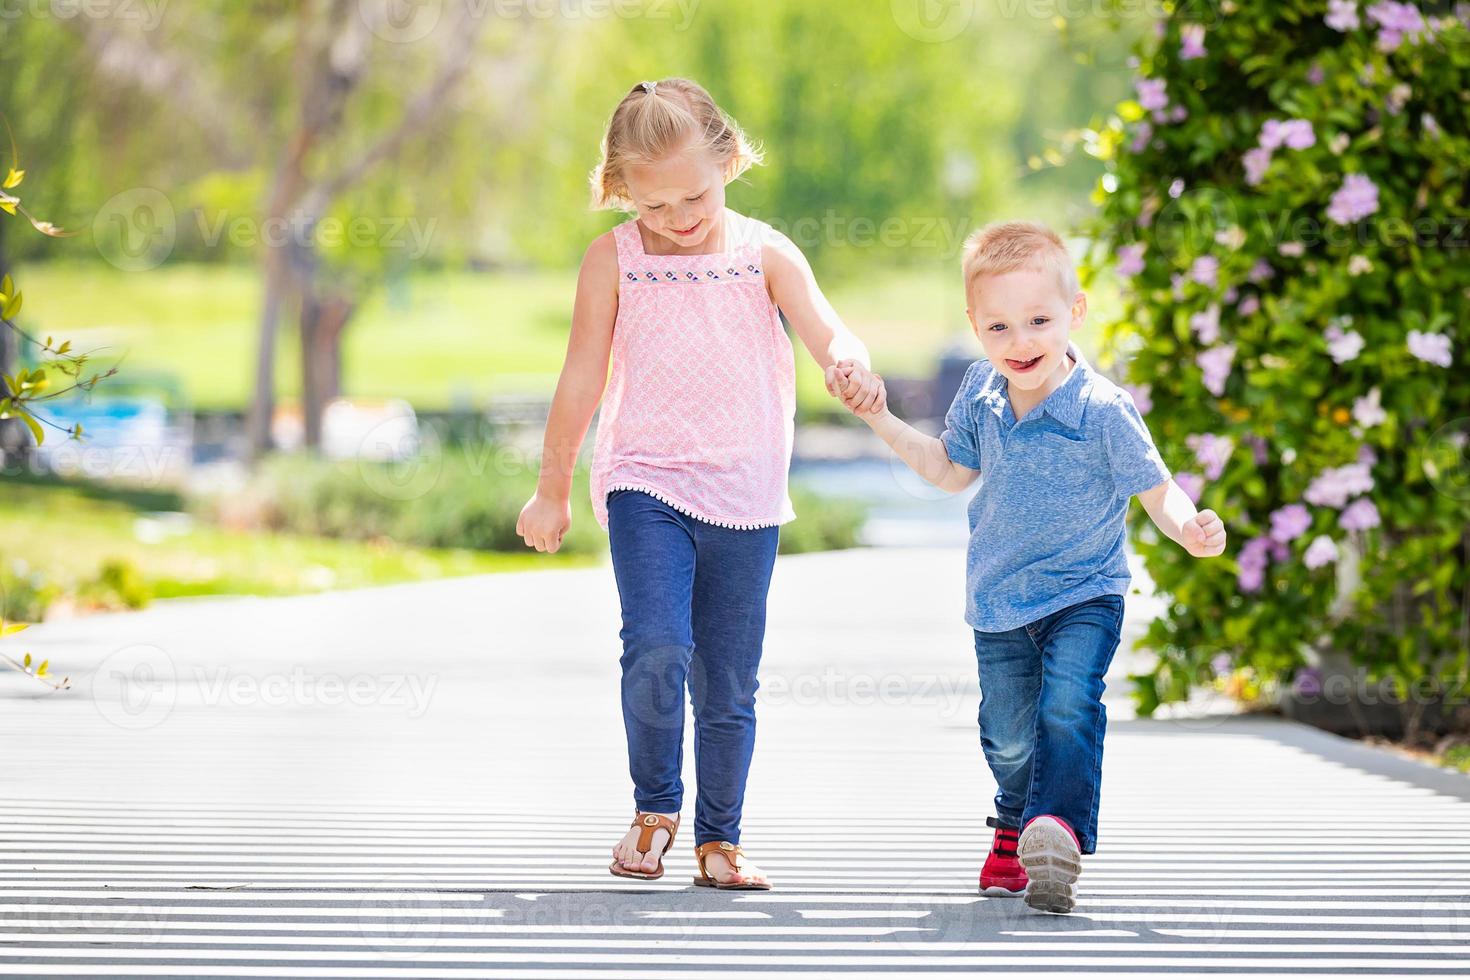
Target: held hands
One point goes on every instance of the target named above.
(1204, 535)
(861, 390)
(544, 522)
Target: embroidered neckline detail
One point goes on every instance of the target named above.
(730, 273)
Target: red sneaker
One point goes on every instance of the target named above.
(1052, 857)
(1002, 874)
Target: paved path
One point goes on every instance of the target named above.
(425, 781)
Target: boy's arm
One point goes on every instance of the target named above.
(925, 455)
(1201, 533)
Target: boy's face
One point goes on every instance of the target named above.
(1023, 319)
(680, 198)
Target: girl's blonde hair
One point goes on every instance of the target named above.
(656, 119)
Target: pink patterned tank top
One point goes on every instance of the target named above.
(700, 404)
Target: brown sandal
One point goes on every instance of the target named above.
(733, 854)
(650, 822)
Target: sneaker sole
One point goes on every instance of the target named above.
(998, 891)
(1053, 864)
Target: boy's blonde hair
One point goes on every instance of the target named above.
(654, 120)
(1006, 246)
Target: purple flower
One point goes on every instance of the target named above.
(1220, 663)
(1140, 395)
(1260, 453)
(1205, 271)
(1260, 272)
(1368, 410)
(1176, 284)
(1395, 21)
(1315, 75)
(1216, 363)
(1193, 46)
(1299, 134)
(1212, 452)
(1130, 259)
(1249, 306)
(1178, 114)
(1360, 515)
(1343, 345)
(1253, 560)
(1142, 137)
(1366, 455)
(1290, 523)
(1431, 347)
(1294, 134)
(1152, 93)
(1307, 683)
(1257, 162)
(1336, 486)
(1342, 15)
(1322, 551)
(1355, 199)
(1192, 484)
(1206, 325)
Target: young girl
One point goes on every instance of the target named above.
(689, 475)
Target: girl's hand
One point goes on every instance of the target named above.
(544, 522)
(1204, 535)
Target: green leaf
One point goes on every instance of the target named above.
(8, 629)
(34, 426)
(41, 670)
(28, 661)
(14, 179)
(12, 307)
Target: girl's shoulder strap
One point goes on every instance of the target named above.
(630, 244)
(749, 236)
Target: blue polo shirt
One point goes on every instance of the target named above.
(1047, 524)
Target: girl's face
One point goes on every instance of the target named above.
(680, 198)
(1023, 320)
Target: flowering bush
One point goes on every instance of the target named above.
(1288, 201)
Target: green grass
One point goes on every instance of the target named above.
(66, 533)
(446, 338)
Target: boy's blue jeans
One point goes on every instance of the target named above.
(694, 614)
(1041, 713)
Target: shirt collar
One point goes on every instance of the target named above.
(1065, 404)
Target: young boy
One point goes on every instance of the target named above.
(1062, 451)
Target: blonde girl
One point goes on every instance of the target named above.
(689, 473)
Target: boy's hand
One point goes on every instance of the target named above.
(862, 391)
(1204, 535)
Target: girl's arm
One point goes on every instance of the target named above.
(548, 515)
(794, 289)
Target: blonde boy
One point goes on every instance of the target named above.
(1062, 451)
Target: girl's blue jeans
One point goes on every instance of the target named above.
(1042, 719)
(694, 617)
